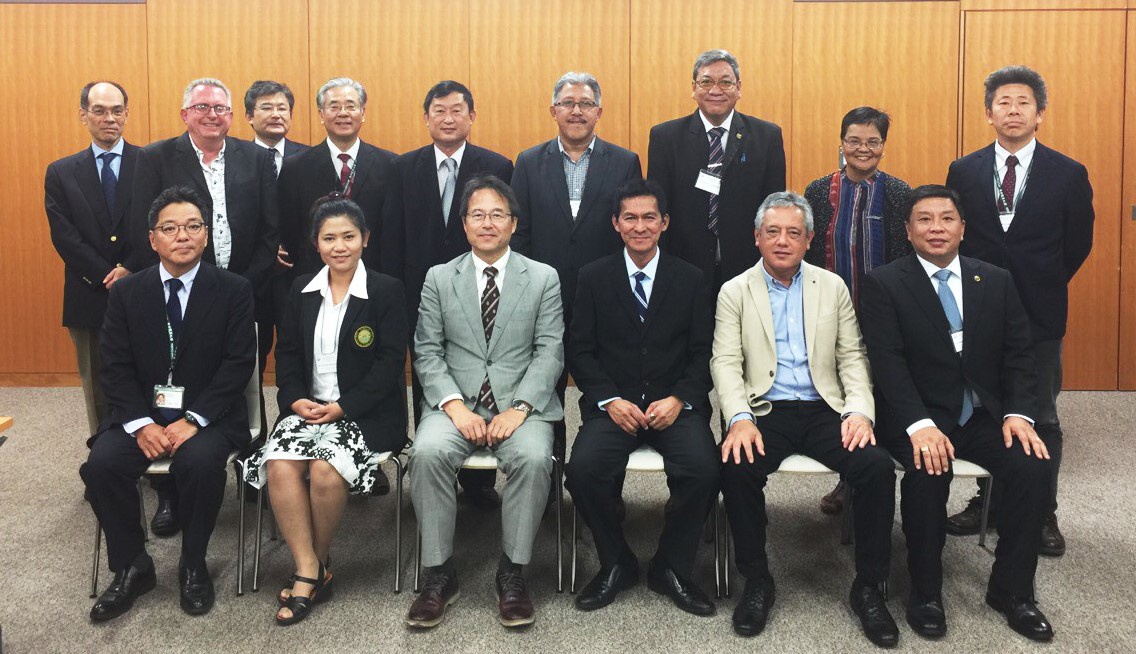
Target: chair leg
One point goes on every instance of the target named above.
(847, 533)
(726, 558)
(985, 512)
(142, 510)
(417, 559)
(397, 524)
(575, 546)
(259, 535)
(240, 532)
(717, 554)
(559, 472)
(95, 560)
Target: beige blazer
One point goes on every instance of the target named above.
(744, 361)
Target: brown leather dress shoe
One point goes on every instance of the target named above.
(513, 601)
(439, 590)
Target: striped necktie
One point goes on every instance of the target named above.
(640, 295)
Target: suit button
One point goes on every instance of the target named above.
(489, 362)
(113, 238)
(643, 351)
(770, 373)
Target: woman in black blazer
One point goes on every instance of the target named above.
(340, 364)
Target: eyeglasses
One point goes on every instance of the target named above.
(725, 84)
(872, 144)
(203, 109)
(100, 112)
(170, 230)
(571, 105)
(336, 109)
(497, 217)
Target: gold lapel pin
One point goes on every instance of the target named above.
(738, 135)
(977, 278)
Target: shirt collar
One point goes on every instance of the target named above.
(116, 149)
(186, 279)
(1025, 155)
(279, 147)
(322, 282)
(440, 156)
(201, 153)
(707, 125)
(954, 266)
(352, 151)
(774, 283)
(650, 269)
(479, 265)
(591, 144)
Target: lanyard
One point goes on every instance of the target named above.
(346, 190)
(1000, 195)
(173, 353)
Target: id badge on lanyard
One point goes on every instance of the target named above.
(169, 396)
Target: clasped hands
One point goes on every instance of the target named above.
(659, 415)
(477, 430)
(855, 432)
(156, 441)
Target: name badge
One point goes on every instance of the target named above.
(956, 337)
(709, 182)
(169, 397)
(326, 363)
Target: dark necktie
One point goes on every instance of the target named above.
(345, 174)
(716, 151)
(490, 297)
(954, 318)
(1009, 181)
(640, 295)
(109, 180)
(173, 307)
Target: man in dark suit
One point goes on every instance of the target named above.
(268, 109)
(178, 348)
(1029, 210)
(87, 215)
(639, 350)
(237, 180)
(421, 226)
(566, 188)
(716, 166)
(949, 344)
(343, 163)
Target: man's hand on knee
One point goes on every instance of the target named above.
(471, 426)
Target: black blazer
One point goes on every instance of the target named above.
(915, 368)
(250, 200)
(372, 385)
(310, 176)
(216, 349)
(611, 353)
(90, 239)
(292, 148)
(415, 235)
(1049, 239)
(754, 167)
(546, 231)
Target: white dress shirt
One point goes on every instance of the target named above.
(439, 157)
(336, 163)
(329, 322)
(277, 152)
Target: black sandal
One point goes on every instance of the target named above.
(301, 606)
(325, 593)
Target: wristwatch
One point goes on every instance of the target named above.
(523, 407)
(191, 419)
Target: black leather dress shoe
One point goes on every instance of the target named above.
(868, 604)
(968, 521)
(686, 596)
(1052, 541)
(753, 608)
(927, 619)
(196, 590)
(480, 497)
(382, 485)
(165, 522)
(1023, 617)
(603, 588)
(129, 584)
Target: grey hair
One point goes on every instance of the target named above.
(711, 56)
(204, 81)
(784, 199)
(577, 78)
(337, 82)
(1016, 75)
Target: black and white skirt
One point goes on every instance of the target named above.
(340, 443)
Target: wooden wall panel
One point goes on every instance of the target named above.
(666, 37)
(47, 54)
(233, 42)
(397, 50)
(1002, 5)
(1084, 120)
(906, 71)
(1127, 350)
(513, 93)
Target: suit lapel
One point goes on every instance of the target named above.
(554, 177)
(621, 286)
(363, 164)
(187, 158)
(926, 296)
(517, 272)
(973, 296)
(153, 311)
(309, 313)
(594, 182)
(346, 335)
(697, 143)
(201, 303)
(660, 286)
(465, 288)
(87, 174)
(236, 159)
(125, 182)
(428, 185)
(735, 142)
(810, 298)
(985, 163)
(759, 294)
(1040, 173)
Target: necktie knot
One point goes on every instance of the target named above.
(345, 158)
(108, 157)
(717, 132)
(1011, 161)
(175, 285)
(449, 164)
(490, 272)
(640, 276)
(943, 275)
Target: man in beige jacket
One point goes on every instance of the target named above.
(792, 376)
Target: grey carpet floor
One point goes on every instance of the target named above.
(47, 532)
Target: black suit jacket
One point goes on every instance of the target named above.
(916, 370)
(250, 201)
(90, 239)
(372, 385)
(292, 148)
(1049, 239)
(754, 167)
(612, 354)
(415, 233)
(546, 231)
(310, 176)
(216, 349)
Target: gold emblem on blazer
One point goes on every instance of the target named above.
(364, 336)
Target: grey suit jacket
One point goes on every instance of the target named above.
(524, 357)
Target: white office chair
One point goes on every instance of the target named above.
(647, 459)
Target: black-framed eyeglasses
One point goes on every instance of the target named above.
(571, 105)
(855, 143)
(170, 230)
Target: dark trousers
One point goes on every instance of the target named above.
(111, 474)
(595, 475)
(1023, 482)
(812, 429)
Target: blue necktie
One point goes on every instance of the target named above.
(640, 295)
(954, 318)
(109, 180)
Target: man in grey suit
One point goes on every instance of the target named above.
(488, 351)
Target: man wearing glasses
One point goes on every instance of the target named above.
(86, 212)
(715, 167)
(237, 181)
(178, 347)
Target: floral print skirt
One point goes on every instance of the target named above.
(340, 443)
